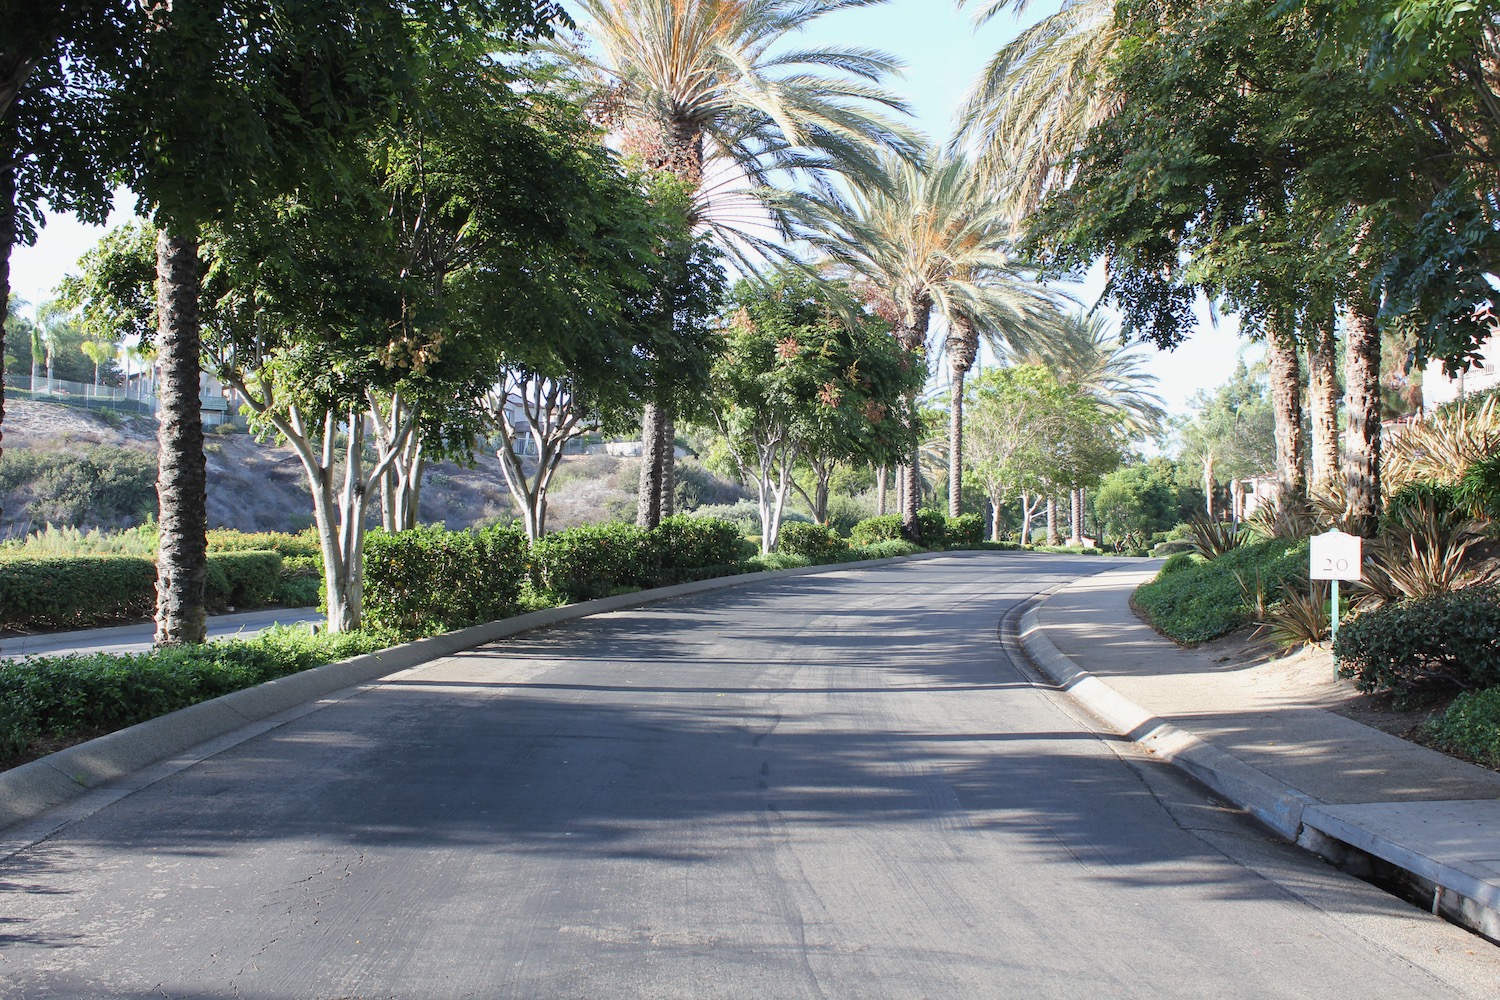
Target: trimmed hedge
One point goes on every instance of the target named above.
(75, 591)
(591, 560)
(79, 696)
(250, 579)
(965, 529)
(1413, 647)
(426, 580)
(695, 548)
(814, 541)
(881, 528)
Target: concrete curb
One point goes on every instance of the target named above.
(1466, 897)
(1273, 802)
(34, 788)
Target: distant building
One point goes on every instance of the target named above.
(1438, 388)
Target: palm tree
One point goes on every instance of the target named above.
(694, 88)
(1037, 98)
(921, 237)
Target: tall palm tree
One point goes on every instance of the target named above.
(694, 88)
(924, 237)
(1034, 102)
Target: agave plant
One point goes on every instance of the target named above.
(1284, 521)
(1212, 539)
(1301, 617)
(1443, 445)
(1426, 550)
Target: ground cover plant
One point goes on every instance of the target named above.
(1198, 600)
(1419, 647)
(1469, 728)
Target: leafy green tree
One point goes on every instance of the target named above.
(798, 378)
(1033, 435)
(1137, 501)
(1230, 434)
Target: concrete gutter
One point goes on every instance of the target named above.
(1273, 802)
(62, 777)
(1380, 840)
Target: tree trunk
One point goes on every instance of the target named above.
(1075, 516)
(1323, 401)
(7, 243)
(1286, 402)
(1362, 455)
(881, 475)
(912, 336)
(667, 429)
(1208, 485)
(963, 347)
(648, 495)
(1052, 536)
(182, 560)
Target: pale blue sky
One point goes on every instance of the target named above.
(943, 54)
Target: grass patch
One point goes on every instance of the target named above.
(1198, 600)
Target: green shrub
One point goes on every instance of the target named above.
(591, 560)
(302, 545)
(816, 542)
(80, 696)
(693, 548)
(774, 561)
(1479, 489)
(886, 550)
(1470, 727)
(932, 528)
(426, 580)
(1178, 562)
(883, 528)
(65, 540)
(104, 485)
(251, 578)
(1203, 601)
(1173, 547)
(1441, 496)
(75, 592)
(1410, 648)
(965, 529)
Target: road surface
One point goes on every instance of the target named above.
(835, 786)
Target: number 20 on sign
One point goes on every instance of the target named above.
(1336, 555)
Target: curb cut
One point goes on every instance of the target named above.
(62, 777)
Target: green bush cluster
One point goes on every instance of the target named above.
(965, 529)
(104, 485)
(818, 543)
(1173, 547)
(80, 696)
(1202, 601)
(1410, 648)
(881, 528)
(246, 579)
(301, 545)
(75, 591)
(594, 560)
(426, 580)
(1470, 727)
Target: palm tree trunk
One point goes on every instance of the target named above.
(913, 338)
(1075, 516)
(1362, 455)
(648, 496)
(7, 242)
(666, 425)
(1323, 401)
(1052, 536)
(881, 476)
(1286, 402)
(963, 347)
(182, 561)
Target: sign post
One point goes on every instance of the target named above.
(1336, 555)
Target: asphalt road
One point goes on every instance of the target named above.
(833, 786)
(138, 638)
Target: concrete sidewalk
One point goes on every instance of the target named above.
(1365, 800)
